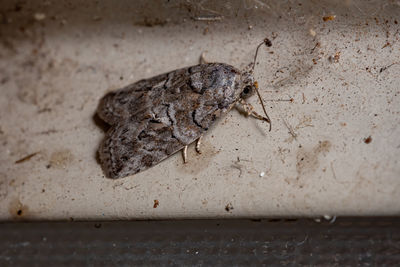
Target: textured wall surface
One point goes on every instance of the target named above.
(330, 82)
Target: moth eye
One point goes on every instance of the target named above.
(247, 89)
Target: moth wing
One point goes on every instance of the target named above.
(128, 101)
(131, 147)
(154, 118)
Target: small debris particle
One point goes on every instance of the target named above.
(312, 33)
(368, 140)
(262, 174)
(386, 67)
(267, 42)
(228, 207)
(156, 203)
(328, 18)
(327, 217)
(26, 158)
(39, 16)
(386, 45)
(318, 44)
(335, 58)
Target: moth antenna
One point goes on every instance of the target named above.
(268, 43)
(263, 106)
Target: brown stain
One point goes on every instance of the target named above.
(308, 160)
(61, 158)
(197, 162)
(17, 210)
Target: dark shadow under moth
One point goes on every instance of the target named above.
(156, 117)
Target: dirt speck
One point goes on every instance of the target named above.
(156, 203)
(335, 58)
(328, 18)
(17, 209)
(229, 207)
(26, 158)
(368, 140)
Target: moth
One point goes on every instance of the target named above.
(157, 117)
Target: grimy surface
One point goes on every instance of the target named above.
(330, 82)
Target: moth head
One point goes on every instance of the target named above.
(249, 88)
(249, 85)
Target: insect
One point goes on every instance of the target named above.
(156, 117)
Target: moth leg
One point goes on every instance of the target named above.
(250, 111)
(198, 144)
(184, 154)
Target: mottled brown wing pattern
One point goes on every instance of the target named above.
(154, 118)
(131, 147)
(129, 101)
